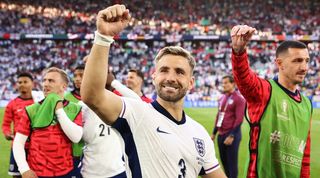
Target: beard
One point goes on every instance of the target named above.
(171, 97)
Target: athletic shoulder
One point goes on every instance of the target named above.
(12, 102)
(135, 104)
(197, 127)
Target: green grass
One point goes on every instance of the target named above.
(205, 116)
(4, 151)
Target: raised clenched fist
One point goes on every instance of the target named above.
(112, 20)
(240, 36)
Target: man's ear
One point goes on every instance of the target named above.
(153, 76)
(191, 84)
(64, 86)
(279, 63)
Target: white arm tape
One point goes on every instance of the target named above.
(125, 91)
(102, 40)
(19, 152)
(72, 130)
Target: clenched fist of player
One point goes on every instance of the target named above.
(240, 36)
(112, 20)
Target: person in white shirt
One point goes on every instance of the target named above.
(103, 150)
(160, 139)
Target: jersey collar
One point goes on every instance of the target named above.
(294, 95)
(163, 111)
(75, 94)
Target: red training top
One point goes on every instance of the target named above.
(12, 114)
(50, 152)
(257, 92)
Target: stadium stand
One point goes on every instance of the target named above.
(38, 34)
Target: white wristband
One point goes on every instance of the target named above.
(102, 40)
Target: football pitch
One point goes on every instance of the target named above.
(204, 116)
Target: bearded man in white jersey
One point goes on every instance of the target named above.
(160, 139)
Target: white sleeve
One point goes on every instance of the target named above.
(89, 119)
(72, 130)
(85, 112)
(211, 162)
(19, 152)
(133, 111)
(125, 91)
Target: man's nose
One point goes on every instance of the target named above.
(304, 66)
(171, 76)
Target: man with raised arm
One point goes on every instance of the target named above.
(279, 115)
(160, 139)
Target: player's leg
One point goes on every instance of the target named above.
(223, 153)
(13, 167)
(232, 156)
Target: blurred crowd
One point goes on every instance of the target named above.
(201, 17)
(213, 62)
(166, 17)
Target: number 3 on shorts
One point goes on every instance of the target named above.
(183, 168)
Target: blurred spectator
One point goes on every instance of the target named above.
(163, 17)
(213, 61)
(202, 17)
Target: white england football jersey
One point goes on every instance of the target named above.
(102, 153)
(157, 146)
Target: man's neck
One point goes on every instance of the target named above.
(174, 108)
(286, 84)
(61, 95)
(77, 91)
(25, 95)
(229, 92)
(138, 91)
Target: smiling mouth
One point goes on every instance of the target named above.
(170, 87)
(301, 74)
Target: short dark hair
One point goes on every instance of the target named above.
(138, 72)
(79, 67)
(25, 74)
(285, 45)
(230, 77)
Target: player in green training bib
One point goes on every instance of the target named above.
(74, 96)
(51, 125)
(278, 114)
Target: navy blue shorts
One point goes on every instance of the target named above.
(13, 167)
(75, 173)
